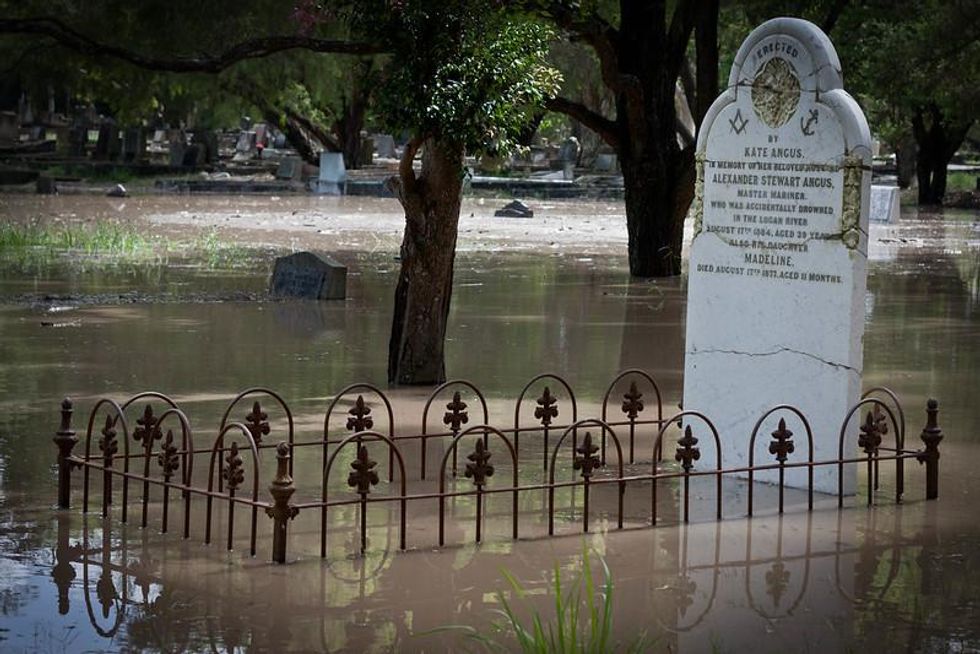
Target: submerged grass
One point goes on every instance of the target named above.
(582, 621)
(33, 245)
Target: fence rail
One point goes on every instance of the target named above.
(156, 459)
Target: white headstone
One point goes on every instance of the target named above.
(333, 174)
(778, 262)
(384, 146)
(885, 206)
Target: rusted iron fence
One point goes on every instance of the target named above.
(156, 453)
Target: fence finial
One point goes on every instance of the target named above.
(282, 488)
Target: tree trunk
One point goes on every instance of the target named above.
(658, 193)
(906, 154)
(431, 202)
(938, 142)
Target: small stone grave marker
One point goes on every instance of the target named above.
(309, 275)
(333, 174)
(290, 168)
(514, 209)
(778, 264)
(384, 146)
(885, 206)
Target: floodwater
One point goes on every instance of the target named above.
(528, 298)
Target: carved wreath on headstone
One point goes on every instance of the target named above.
(775, 92)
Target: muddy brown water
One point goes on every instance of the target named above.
(526, 301)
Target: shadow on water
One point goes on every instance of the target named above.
(896, 577)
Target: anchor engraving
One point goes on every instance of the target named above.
(807, 125)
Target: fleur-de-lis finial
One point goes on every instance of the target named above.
(688, 451)
(233, 472)
(148, 429)
(257, 422)
(108, 444)
(547, 408)
(870, 437)
(363, 475)
(456, 415)
(360, 419)
(479, 468)
(782, 444)
(632, 402)
(167, 458)
(588, 460)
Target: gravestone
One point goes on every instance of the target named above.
(568, 155)
(778, 262)
(309, 275)
(384, 146)
(245, 146)
(290, 168)
(885, 207)
(514, 209)
(333, 175)
(77, 139)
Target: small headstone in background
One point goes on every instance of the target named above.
(514, 209)
(568, 155)
(245, 147)
(384, 146)
(885, 207)
(333, 174)
(290, 168)
(309, 275)
(117, 191)
(605, 162)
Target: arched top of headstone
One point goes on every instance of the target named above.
(819, 64)
(785, 66)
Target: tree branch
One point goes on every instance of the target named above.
(250, 49)
(681, 26)
(605, 128)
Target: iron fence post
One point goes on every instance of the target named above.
(282, 488)
(932, 435)
(65, 439)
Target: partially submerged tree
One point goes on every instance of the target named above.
(465, 78)
(641, 48)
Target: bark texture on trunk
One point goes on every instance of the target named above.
(431, 202)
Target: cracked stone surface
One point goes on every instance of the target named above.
(778, 261)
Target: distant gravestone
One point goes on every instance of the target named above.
(885, 205)
(290, 168)
(514, 209)
(310, 276)
(384, 146)
(77, 139)
(568, 155)
(778, 263)
(245, 146)
(333, 174)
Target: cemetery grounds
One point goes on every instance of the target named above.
(179, 305)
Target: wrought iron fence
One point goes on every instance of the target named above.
(155, 457)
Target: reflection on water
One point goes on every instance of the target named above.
(894, 577)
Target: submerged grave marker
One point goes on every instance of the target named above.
(778, 262)
(309, 275)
